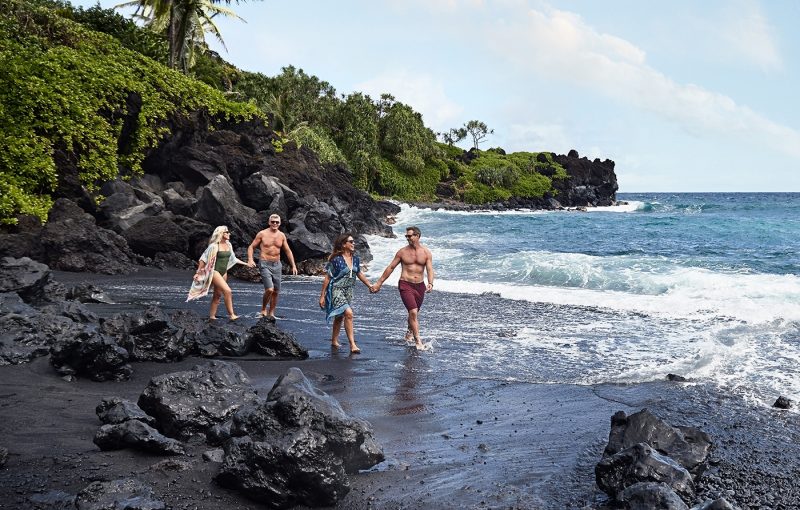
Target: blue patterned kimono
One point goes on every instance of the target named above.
(340, 288)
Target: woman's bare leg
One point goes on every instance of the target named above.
(337, 327)
(221, 286)
(348, 329)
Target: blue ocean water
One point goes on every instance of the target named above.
(705, 285)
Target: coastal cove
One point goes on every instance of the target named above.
(452, 440)
(511, 408)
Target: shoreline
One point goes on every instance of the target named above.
(450, 441)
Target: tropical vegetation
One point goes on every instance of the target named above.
(70, 73)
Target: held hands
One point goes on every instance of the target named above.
(375, 287)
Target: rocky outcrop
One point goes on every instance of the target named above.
(191, 402)
(648, 463)
(590, 183)
(296, 448)
(129, 494)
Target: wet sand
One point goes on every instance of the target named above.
(450, 441)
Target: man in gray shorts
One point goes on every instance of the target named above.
(270, 241)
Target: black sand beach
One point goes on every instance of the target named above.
(450, 441)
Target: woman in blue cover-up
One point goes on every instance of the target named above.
(342, 269)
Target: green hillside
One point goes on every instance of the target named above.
(73, 76)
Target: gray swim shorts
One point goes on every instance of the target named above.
(270, 274)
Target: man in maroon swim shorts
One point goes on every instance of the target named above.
(416, 261)
(412, 294)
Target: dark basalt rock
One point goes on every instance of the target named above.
(72, 310)
(88, 293)
(783, 403)
(676, 378)
(296, 448)
(267, 339)
(72, 241)
(90, 354)
(114, 410)
(190, 402)
(220, 341)
(641, 463)
(52, 500)
(219, 204)
(28, 335)
(717, 504)
(137, 435)
(126, 494)
(3, 456)
(149, 336)
(31, 280)
(156, 234)
(589, 183)
(651, 496)
(687, 445)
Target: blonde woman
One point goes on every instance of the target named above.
(212, 269)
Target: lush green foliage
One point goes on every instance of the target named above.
(65, 88)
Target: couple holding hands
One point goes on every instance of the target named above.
(344, 266)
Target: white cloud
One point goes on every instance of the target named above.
(562, 45)
(528, 137)
(747, 32)
(422, 92)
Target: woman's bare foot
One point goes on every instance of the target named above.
(212, 318)
(335, 344)
(233, 317)
(354, 349)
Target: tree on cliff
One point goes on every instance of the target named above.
(185, 22)
(478, 130)
(454, 136)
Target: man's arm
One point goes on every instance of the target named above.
(256, 242)
(289, 254)
(387, 272)
(429, 270)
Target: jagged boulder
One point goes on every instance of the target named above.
(72, 241)
(218, 203)
(124, 206)
(651, 496)
(25, 335)
(265, 193)
(190, 402)
(127, 494)
(688, 446)
(88, 293)
(137, 435)
(296, 448)
(149, 336)
(156, 234)
(641, 463)
(90, 354)
(266, 338)
(31, 280)
(113, 410)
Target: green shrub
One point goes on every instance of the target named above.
(66, 87)
(319, 142)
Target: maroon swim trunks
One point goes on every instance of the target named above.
(412, 294)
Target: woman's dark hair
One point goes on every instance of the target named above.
(338, 245)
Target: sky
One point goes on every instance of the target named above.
(682, 95)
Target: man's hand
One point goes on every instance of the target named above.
(294, 269)
(250, 263)
(429, 288)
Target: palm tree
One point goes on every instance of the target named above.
(185, 22)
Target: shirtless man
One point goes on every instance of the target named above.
(270, 241)
(415, 260)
